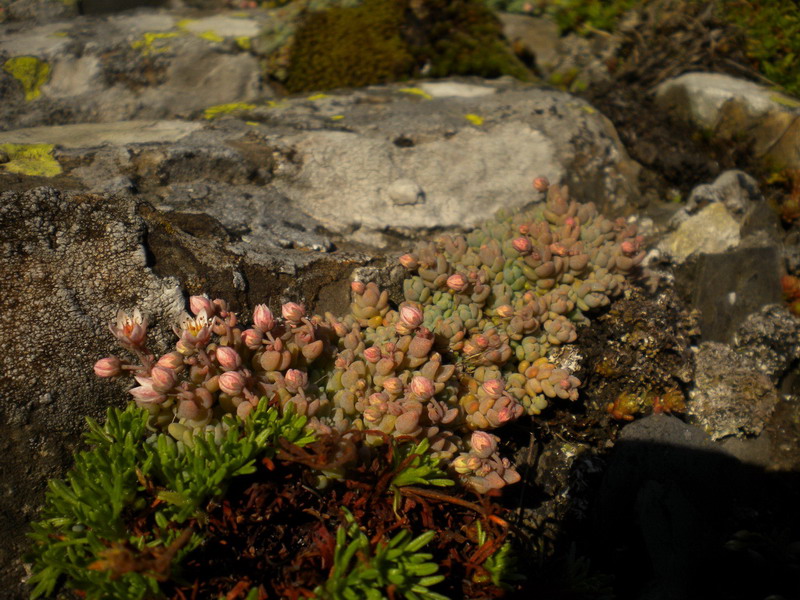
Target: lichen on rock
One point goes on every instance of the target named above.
(30, 71)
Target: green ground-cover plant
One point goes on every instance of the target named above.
(132, 505)
(469, 350)
(771, 29)
(362, 570)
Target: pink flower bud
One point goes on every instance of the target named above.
(146, 394)
(197, 304)
(540, 184)
(494, 387)
(372, 354)
(411, 315)
(393, 385)
(231, 382)
(505, 414)
(358, 287)
(163, 379)
(110, 366)
(457, 282)
(295, 379)
(228, 358)
(483, 444)
(409, 262)
(293, 312)
(252, 338)
(522, 245)
(262, 318)
(171, 360)
(373, 415)
(422, 387)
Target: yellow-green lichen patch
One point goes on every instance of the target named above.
(474, 119)
(31, 159)
(337, 117)
(31, 72)
(244, 42)
(151, 43)
(213, 112)
(211, 36)
(415, 91)
(317, 97)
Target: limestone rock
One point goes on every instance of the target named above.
(712, 230)
(731, 108)
(374, 165)
(135, 65)
(730, 398)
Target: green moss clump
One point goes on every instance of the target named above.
(349, 47)
(31, 72)
(379, 41)
(31, 159)
(463, 37)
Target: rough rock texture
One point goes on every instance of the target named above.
(730, 396)
(712, 230)
(374, 165)
(725, 244)
(68, 264)
(730, 108)
(129, 66)
(770, 340)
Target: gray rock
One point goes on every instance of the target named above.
(537, 37)
(727, 287)
(731, 397)
(39, 11)
(712, 230)
(737, 190)
(69, 262)
(700, 97)
(375, 165)
(729, 108)
(770, 340)
(138, 65)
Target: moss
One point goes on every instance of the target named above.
(31, 159)
(379, 41)
(31, 72)
(349, 47)
(463, 37)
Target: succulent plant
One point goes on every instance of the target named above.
(468, 350)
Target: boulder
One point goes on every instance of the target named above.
(373, 165)
(729, 109)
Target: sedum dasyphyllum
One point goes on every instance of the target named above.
(467, 351)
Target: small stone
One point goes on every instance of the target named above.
(406, 192)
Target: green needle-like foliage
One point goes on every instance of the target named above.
(361, 571)
(414, 465)
(86, 536)
(502, 565)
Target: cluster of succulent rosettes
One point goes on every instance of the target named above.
(482, 468)
(217, 366)
(504, 295)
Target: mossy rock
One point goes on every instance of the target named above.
(379, 41)
(350, 47)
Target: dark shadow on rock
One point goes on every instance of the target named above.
(676, 518)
